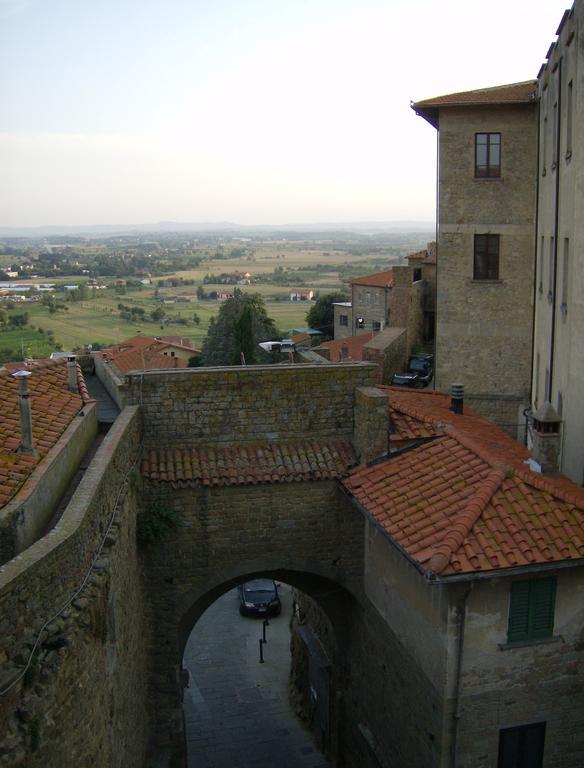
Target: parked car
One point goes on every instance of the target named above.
(425, 356)
(259, 598)
(422, 369)
(405, 379)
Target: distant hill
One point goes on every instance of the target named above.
(223, 227)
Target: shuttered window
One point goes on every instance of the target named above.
(531, 609)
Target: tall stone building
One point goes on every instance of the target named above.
(487, 158)
(558, 365)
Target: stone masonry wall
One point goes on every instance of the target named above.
(483, 333)
(299, 533)
(82, 700)
(509, 685)
(217, 405)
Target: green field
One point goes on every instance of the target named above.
(97, 320)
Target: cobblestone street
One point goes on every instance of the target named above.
(236, 710)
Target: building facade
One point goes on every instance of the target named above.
(487, 156)
(558, 365)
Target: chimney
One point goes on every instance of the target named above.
(546, 437)
(72, 374)
(457, 398)
(371, 426)
(26, 442)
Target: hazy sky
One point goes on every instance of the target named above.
(252, 111)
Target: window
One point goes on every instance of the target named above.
(376, 325)
(531, 610)
(555, 136)
(486, 257)
(417, 274)
(344, 320)
(521, 747)
(487, 155)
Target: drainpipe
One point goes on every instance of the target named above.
(535, 275)
(556, 228)
(461, 612)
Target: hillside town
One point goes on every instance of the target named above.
(406, 457)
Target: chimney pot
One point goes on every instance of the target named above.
(72, 374)
(457, 398)
(24, 406)
(546, 437)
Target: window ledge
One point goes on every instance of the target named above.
(488, 178)
(528, 643)
(478, 281)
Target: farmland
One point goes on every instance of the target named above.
(275, 268)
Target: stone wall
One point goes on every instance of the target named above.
(390, 360)
(388, 668)
(299, 533)
(113, 383)
(243, 404)
(504, 686)
(24, 519)
(82, 699)
(483, 333)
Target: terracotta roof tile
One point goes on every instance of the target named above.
(349, 348)
(514, 93)
(376, 280)
(465, 501)
(53, 408)
(250, 464)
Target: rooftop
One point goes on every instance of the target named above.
(349, 348)
(377, 280)
(145, 353)
(53, 409)
(300, 460)
(463, 500)
(513, 93)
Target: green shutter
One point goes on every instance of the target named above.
(518, 628)
(542, 601)
(531, 609)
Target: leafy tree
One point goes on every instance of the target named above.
(321, 315)
(241, 324)
(157, 314)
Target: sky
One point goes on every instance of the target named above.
(249, 111)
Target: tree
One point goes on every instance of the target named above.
(321, 315)
(241, 324)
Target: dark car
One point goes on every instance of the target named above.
(422, 369)
(427, 357)
(405, 379)
(259, 598)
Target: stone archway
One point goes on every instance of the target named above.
(228, 668)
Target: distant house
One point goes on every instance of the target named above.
(302, 294)
(147, 353)
(224, 295)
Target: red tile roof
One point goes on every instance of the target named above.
(513, 93)
(376, 280)
(53, 408)
(250, 464)
(144, 353)
(427, 256)
(349, 348)
(464, 501)
(300, 338)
